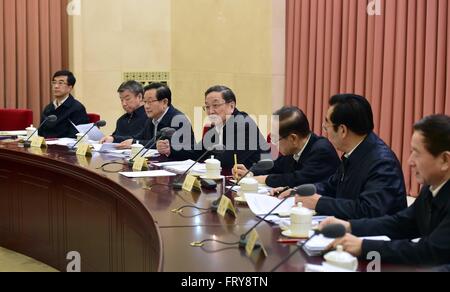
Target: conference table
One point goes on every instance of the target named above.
(53, 202)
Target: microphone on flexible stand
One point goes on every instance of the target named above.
(303, 190)
(51, 119)
(178, 184)
(163, 134)
(263, 165)
(330, 231)
(99, 124)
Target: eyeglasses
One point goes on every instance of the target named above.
(207, 108)
(59, 83)
(151, 101)
(276, 141)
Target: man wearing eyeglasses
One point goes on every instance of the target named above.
(228, 127)
(131, 123)
(307, 158)
(369, 183)
(70, 112)
(161, 114)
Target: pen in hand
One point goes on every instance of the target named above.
(277, 194)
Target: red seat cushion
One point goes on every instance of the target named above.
(15, 119)
(94, 118)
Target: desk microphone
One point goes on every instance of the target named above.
(217, 149)
(263, 165)
(99, 124)
(301, 191)
(305, 190)
(51, 119)
(330, 231)
(163, 134)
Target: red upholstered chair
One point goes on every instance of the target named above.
(94, 118)
(15, 119)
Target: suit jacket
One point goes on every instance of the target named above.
(241, 136)
(70, 111)
(317, 163)
(369, 184)
(428, 218)
(172, 119)
(130, 125)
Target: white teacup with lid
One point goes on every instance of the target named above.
(213, 168)
(301, 221)
(31, 131)
(248, 185)
(135, 148)
(341, 259)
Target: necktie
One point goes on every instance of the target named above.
(343, 167)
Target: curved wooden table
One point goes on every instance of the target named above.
(53, 202)
(50, 206)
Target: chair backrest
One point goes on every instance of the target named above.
(94, 118)
(15, 119)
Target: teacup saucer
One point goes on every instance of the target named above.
(213, 178)
(288, 233)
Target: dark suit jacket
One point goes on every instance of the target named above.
(241, 136)
(428, 218)
(130, 125)
(369, 184)
(317, 163)
(172, 119)
(70, 111)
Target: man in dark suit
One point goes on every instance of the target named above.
(229, 127)
(161, 114)
(306, 158)
(133, 121)
(69, 111)
(420, 234)
(369, 183)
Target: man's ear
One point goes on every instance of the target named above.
(344, 130)
(446, 160)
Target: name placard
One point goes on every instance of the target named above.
(140, 164)
(38, 142)
(226, 205)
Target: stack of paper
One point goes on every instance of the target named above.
(318, 244)
(180, 167)
(152, 173)
(261, 205)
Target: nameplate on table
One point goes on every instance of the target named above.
(84, 150)
(252, 242)
(140, 164)
(191, 183)
(38, 142)
(226, 205)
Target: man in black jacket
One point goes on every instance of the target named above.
(369, 183)
(161, 114)
(230, 128)
(133, 121)
(70, 112)
(420, 234)
(306, 158)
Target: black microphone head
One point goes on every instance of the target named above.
(167, 133)
(52, 118)
(263, 165)
(334, 231)
(306, 190)
(100, 124)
